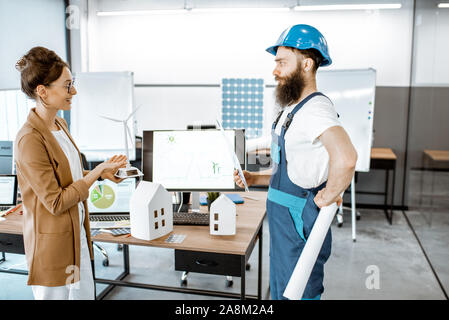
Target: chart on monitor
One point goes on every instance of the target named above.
(190, 160)
(107, 196)
(7, 189)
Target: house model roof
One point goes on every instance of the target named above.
(147, 193)
(223, 200)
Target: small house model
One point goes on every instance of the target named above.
(151, 211)
(222, 216)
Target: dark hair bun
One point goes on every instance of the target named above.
(21, 64)
(39, 66)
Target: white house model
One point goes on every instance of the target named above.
(222, 216)
(151, 211)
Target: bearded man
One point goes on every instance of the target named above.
(313, 159)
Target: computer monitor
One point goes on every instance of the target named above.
(192, 160)
(110, 197)
(8, 189)
(5, 157)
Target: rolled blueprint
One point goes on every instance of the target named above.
(301, 274)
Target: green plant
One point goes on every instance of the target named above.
(212, 196)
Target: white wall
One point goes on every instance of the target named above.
(23, 25)
(202, 48)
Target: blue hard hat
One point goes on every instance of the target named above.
(303, 36)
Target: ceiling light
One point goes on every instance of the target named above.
(139, 12)
(197, 10)
(348, 7)
(247, 10)
(443, 5)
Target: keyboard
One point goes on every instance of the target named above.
(5, 208)
(108, 218)
(191, 218)
(114, 232)
(180, 218)
(109, 221)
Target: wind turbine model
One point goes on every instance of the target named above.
(129, 171)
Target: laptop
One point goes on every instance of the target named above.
(8, 192)
(108, 204)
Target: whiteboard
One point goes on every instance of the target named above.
(109, 94)
(353, 93)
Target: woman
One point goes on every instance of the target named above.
(53, 184)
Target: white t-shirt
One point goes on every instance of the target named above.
(75, 167)
(307, 158)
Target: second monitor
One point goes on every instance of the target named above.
(186, 160)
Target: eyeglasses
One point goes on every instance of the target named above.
(68, 86)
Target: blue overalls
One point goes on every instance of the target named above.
(291, 215)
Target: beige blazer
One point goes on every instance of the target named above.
(51, 228)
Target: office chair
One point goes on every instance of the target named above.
(95, 245)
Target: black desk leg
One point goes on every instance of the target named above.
(432, 190)
(259, 275)
(392, 195)
(387, 179)
(421, 180)
(243, 278)
(387, 208)
(123, 275)
(92, 263)
(3, 259)
(126, 258)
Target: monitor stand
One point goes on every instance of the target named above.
(195, 202)
(194, 207)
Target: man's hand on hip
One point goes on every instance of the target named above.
(323, 200)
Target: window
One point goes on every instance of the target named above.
(162, 211)
(163, 222)
(14, 109)
(216, 216)
(156, 225)
(155, 213)
(215, 227)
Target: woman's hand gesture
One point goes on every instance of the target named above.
(110, 167)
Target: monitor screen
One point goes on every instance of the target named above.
(109, 197)
(8, 189)
(192, 160)
(6, 157)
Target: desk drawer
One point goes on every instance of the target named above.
(11, 243)
(207, 262)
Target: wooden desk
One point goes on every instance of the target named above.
(433, 161)
(382, 154)
(437, 155)
(199, 252)
(384, 159)
(11, 239)
(381, 159)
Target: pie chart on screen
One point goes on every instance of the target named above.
(102, 196)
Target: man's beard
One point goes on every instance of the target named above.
(291, 89)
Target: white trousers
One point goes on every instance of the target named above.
(81, 290)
